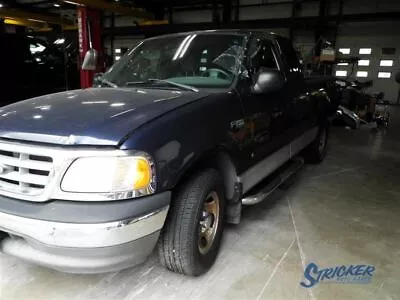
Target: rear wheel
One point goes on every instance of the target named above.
(316, 151)
(191, 236)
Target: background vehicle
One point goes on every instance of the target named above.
(33, 68)
(179, 137)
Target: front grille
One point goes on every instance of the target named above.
(24, 173)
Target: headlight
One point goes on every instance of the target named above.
(121, 177)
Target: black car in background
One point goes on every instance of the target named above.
(31, 67)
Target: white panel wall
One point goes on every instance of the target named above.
(370, 6)
(308, 9)
(197, 16)
(265, 12)
(119, 21)
(376, 36)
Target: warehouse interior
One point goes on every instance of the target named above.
(339, 213)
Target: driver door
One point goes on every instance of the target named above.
(265, 114)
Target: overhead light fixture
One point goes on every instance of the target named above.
(73, 3)
(56, 5)
(36, 20)
(1, 5)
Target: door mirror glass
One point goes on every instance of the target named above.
(90, 60)
(97, 79)
(268, 80)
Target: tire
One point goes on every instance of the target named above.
(316, 151)
(183, 245)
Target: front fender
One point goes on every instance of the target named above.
(181, 137)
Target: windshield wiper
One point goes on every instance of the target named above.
(109, 83)
(162, 81)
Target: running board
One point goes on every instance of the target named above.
(295, 164)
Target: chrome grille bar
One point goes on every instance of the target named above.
(25, 163)
(23, 173)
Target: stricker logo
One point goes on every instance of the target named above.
(339, 274)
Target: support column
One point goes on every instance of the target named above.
(85, 15)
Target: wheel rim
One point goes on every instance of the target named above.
(322, 142)
(209, 221)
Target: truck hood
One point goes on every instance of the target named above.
(96, 116)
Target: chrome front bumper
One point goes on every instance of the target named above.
(82, 248)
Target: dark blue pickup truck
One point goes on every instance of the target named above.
(168, 146)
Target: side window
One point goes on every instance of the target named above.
(267, 57)
(289, 53)
(261, 55)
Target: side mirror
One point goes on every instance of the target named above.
(398, 77)
(97, 79)
(268, 80)
(90, 60)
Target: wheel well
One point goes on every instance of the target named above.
(219, 160)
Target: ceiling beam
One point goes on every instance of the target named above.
(114, 8)
(33, 17)
(25, 23)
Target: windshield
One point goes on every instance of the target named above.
(196, 60)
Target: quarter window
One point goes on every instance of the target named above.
(384, 74)
(340, 73)
(344, 50)
(386, 63)
(365, 51)
(362, 74)
(363, 62)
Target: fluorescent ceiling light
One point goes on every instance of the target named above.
(73, 3)
(343, 64)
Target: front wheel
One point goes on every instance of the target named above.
(316, 151)
(190, 240)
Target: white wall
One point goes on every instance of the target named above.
(376, 35)
(370, 6)
(196, 16)
(265, 12)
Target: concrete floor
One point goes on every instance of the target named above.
(344, 211)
